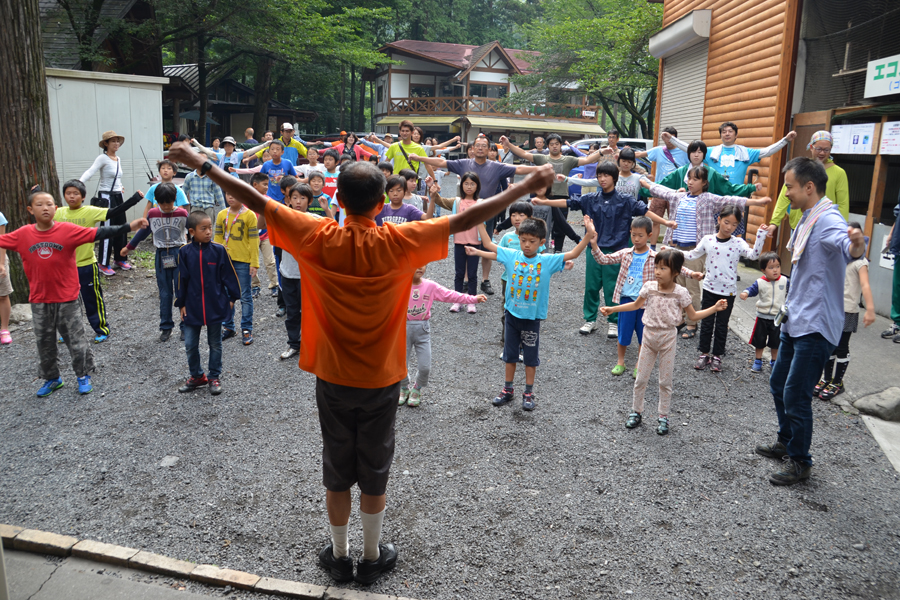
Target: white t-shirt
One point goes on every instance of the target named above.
(852, 286)
(110, 173)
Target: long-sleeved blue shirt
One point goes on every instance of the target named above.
(612, 214)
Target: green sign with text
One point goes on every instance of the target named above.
(883, 77)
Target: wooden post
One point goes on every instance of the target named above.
(879, 179)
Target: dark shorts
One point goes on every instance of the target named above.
(523, 333)
(765, 333)
(357, 435)
(658, 206)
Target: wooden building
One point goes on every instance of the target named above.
(775, 65)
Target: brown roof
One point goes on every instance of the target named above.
(462, 56)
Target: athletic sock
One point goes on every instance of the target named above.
(508, 385)
(840, 369)
(371, 526)
(340, 541)
(529, 388)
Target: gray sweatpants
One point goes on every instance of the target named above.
(418, 336)
(68, 319)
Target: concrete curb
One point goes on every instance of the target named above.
(43, 542)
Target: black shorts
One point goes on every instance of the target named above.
(524, 334)
(765, 333)
(357, 435)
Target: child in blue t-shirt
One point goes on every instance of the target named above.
(277, 168)
(526, 298)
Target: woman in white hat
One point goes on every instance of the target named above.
(109, 195)
(837, 190)
(227, 157)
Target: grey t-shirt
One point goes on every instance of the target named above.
(489, 173)
(564, 165)
(630, 185)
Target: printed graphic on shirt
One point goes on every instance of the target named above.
(418, 309)
(45, 249)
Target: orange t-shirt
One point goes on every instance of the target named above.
(355, 293)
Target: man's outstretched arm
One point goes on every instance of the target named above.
(243, 192)
(480, 212)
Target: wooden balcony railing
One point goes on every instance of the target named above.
(474, 105)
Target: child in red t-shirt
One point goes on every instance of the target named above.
(48, 249)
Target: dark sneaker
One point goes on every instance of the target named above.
(50, 386)
(831, 390)
(215, 387)
(792, 472)
(506, 395)
(164, 335)
(340, 569)
(528, 401)
(757, 365)
(227, 334)
(715, 365)
(273, 292)
(254, 292)
(820, 386)
(663, 427)
(702, 362)
(193, 383)
(368, 571)
(890, 331)
(486, 287)
(776, 450)
(633, 420)
(247, 337)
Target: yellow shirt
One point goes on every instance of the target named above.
(242, 239)
(400, 162)
(86, 216)
(837, 190)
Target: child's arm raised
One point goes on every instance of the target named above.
(697, 252)
(753, 254)
(111, 231)
(204, 150)
(636, 305)
(442, 294)
(434, 191)
(540, 179)
(751, 291)
(473, 251)
(869, 317)
(699, 315)
(137, 239)
(486, 240)
(589, 234)
(120, 210)
(244, 192)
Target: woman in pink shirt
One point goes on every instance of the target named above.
(423, 294)
(466, 266)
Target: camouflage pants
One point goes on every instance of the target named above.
(68, 319)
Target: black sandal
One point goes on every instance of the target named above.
(689, 333)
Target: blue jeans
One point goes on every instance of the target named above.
(192, 348)
(242, 270)
(795, 374)
(165, 281)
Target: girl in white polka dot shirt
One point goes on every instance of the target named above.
(722, 253)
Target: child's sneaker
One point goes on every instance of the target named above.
(164, 335)
(771, 364)
(454, 307)
(634, 373)
(289, 353)
(528, 401)
(415, 397)
(613, 331)
(831, 390)
(193, 383)
(715, 365)
(84, 385)
(280, 312)
(273, 292)
(124, 265)
(101, 338)
(663, 427)
(215, 387)
(702, 362)
(891, 331)
(227, 334)
(633, 420)
(106, 270)
(820, 386)
(757, 365)
(506, 395)
(5, 338)
(404, 396)
(471, 309)
(254, 292)
(247, 337)
(50, 386)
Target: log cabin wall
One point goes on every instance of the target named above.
(749, 80)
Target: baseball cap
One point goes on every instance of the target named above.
(287, 126)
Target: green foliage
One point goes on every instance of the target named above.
(600, 47)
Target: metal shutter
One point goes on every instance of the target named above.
(683, 89)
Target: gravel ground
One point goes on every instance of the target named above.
(484, 502)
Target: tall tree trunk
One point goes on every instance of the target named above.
(262, 87)
(201, 89)
(343, 95)
(361, 118)
(27, 151)
(352, 98)
(372, 105)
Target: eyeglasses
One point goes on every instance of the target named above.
(821, 149)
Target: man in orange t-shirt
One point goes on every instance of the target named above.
(358, 357)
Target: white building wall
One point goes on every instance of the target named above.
(486, 77)
(85, 104)
(399, 85)
(381, 107)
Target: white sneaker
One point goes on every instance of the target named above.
(470, 309)
(613, 331)
(587, 328)
(289, 353)
(454, 307)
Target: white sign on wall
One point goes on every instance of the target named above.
(890, 138)
(883, 76)
(853, 139)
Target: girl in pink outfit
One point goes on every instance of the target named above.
(424, 293)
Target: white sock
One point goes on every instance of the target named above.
(371, 526)
(340, 540)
